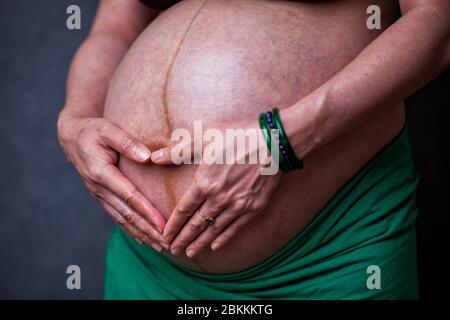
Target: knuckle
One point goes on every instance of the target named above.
(183, 211)
(255, 206)
(207, 186)
(96, 193)
(197, 225)
(239, 205)
(128, 215)
(143, 237)
(215, 208)
(222, 198)
(149, 236)
(85, 138)
(103, 129)
(91, 130)
(126, 143)
(95, 173)
(132, 218)
(120, 221)
(129, 196)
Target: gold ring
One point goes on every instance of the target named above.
(209, 220)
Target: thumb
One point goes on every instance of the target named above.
(178, 154)
(162, 156)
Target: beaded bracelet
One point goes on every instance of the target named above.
(267, 132)
(288, 159)
(298, 163)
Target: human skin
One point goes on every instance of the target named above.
(334, 147)
(93, 143)
(411, 52)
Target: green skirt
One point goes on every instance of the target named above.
(361, 245)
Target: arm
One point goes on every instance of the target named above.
(410, 53)
(116, 26)
(92, 143)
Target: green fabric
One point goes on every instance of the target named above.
(370, 221)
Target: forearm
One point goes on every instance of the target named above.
(90, 74)
(402, 59)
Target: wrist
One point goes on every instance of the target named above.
(80, 111)
(70, 123)
(304, 123)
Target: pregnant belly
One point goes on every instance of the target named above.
(225, 61)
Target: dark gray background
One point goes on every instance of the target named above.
(47, 219)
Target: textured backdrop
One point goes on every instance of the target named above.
(48, 220)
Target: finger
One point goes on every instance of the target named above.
(133, 218)
(230, 231)
(129, 229)
(195, 226)
(205, 238)
(112, 179)
(128, 215)
(122, 223)
(186, 207)
(125, 144)
(162, 156)
(178, 154)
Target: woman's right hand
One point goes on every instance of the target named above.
(93, 145)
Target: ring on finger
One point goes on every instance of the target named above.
(209, 220)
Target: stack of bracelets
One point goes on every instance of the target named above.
(271, 126)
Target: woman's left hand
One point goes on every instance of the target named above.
(231, 194)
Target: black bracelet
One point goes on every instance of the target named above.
(297, 162)
(282, 150)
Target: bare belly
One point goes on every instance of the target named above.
(221, 61)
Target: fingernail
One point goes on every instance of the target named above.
(215, 246)
(151, 238)
(138, 241)
(159, 238)
(157, 155)
(142, 154)
(190, 253)
(165, 245)
(175, 251)
(157, 247)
